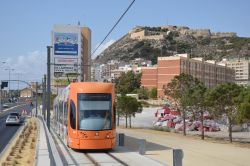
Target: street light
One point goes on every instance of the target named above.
(9, 78)
(1, 93)
(2, 64)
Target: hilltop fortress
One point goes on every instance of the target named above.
(159, 33)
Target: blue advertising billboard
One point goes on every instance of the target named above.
(65, 44)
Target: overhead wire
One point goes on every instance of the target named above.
(113, 27)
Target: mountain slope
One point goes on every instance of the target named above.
(151, 42)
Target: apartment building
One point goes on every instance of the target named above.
(242, 70)
(208, 72)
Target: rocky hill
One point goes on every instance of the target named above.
(151, 42)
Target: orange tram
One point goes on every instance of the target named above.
(84, 115)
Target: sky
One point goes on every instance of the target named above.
(26, 25)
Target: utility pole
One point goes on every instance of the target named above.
(18, 84)
(36, 97)
(9, 84)
(9, 80)
(48, 86)
(1, 98)
(44, 97)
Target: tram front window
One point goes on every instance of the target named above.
(94, 111)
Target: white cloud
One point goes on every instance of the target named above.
(31, 67)
(102, 48)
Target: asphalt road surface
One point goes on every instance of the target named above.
(7, 132)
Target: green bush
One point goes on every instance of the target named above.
(144, 103)
(143, 93)
(153, 93)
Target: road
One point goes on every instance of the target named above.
(196, 152)
(7, 132)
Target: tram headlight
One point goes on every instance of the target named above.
(108, 135)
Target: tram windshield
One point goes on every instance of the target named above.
(94, 111)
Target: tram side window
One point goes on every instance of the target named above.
(72, 115)
(66, 113)
(60, 111)
(114, 110)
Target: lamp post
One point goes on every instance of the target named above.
(3, 62)
(9, 79)
(1, 94)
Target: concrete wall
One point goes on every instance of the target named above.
(137, 35)
(143, 35)
(224, 34)
(149, 77)
(168, 68)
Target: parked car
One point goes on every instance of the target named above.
(12, 120)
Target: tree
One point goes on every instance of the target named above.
(133, 107)
(143, 93)
(243, 106)
(129, 106)
(125, 84)
(199, 103)
(180, 90)
(222, 99)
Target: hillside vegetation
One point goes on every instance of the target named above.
(198, 43)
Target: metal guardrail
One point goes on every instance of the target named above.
(54, 155)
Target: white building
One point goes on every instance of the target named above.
(242, 70)
(71, 45)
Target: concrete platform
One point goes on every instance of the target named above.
(118, 156)
(52, 150)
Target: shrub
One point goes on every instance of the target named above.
(153, 93)
(143, 93)
(144, 103)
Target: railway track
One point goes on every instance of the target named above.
(82, 157)
(106, 158)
